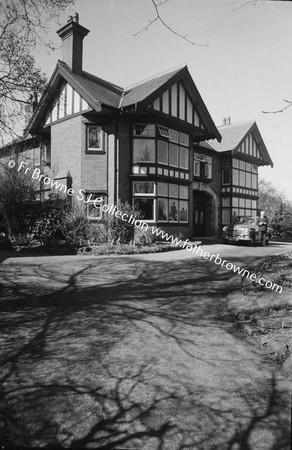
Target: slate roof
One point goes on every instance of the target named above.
(207, 145)
(232, 135)
(97, 92)
(113, 95)
(101, 90)
(146, 88)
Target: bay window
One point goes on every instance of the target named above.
(146, 206)
(143, 150)
(162, 209)
(168, 147)
(162, 202)
(162, 152)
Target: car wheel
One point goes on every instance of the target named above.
(251, 242)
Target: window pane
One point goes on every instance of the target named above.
(174, 135)
(145, 206)
(183, 139)
(164, 131)
(143, 129)
(248, 180)
(173, 190)
(226, 176)
(226, 162)
(173, 155)
(226, 201)
(248, 167)
(242, 178)
(184, 192)
(162, 189)
(236, 163)
(143, 187)
(143, 150)
(208, 168)
(184, 158)
(254, 181)
(241, 202)
(242, 165)
(173, 210)
(254, 204)
(183, 211)
(197, 168)
(162, 209)
(162, 152)
(235, 180)
(94, 138)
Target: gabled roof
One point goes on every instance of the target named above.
(146, 88)
(98, 92)
(99, 89)
(234, 134)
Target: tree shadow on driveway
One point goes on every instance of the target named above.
(126, 353)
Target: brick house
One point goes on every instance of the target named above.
(147, 145)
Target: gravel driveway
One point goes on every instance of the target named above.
(134, 352)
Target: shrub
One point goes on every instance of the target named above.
(57, 220)
(118, 230)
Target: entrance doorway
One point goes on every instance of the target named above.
(203, 214)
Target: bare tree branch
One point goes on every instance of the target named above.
(160, 19)
(280, 110)
(248, 2)
(23, 25)
(245, 4)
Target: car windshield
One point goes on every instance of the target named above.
(246, 220)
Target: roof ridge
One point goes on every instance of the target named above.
(116, 87)
(89, 75)
(245, 122)
(165, 72)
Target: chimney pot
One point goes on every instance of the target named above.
(224, 121)
(70, 18)
(76, 17)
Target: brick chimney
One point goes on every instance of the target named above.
(72, 35)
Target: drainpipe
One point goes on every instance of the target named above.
(116, 163)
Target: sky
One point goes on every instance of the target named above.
(242, 64)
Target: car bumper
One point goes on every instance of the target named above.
(237, 238)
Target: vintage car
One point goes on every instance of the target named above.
(245, 229)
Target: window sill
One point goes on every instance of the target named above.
(95, 152)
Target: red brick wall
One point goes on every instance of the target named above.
(67, 148)
(94, 174)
